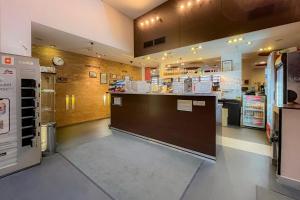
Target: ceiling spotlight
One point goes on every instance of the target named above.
(229, 41)
(157, 18)
(198, 1)
(182, 64)
(193, 48)
(148, 58)
(261, 49)
(142, 23)
(189, 4)
(166, 54)
(200, 58)
(177, 61)
(163, 58)
(152, 20)
(194, 52)
(269, 48)
(182, 6)
(99, 56)
(235, 40)
(147, 22)
(241, 39)
(200, 47)
(249, 42)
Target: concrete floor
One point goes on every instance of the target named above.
(234, 176)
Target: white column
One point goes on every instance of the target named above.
(232, 80)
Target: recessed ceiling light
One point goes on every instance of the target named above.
(52, 46)
(157, 18)
(152, 20)
(163, 58)
(166, 54)
(148, 58)
(142, 23)
(235, 40)
(194, 52)
(200, 47)
(249, 42)
(147, 22)
(269, 48)
(241, 39)
(261, 49)
(229, 41)
(182, 64)
(189, 4)
(182, 6)
(200, 58)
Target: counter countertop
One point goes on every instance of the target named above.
(172, 94)
(290, 106)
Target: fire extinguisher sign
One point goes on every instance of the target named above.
(7, 60)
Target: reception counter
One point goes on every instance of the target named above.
(186, 122)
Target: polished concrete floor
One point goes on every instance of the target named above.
(234, 176)
(246, 134)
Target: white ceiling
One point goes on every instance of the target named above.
(134, 8)
(43, 35)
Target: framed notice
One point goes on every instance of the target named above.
(103, 78)
(92, 74)
(117, 101)
(185, 105)
(226, 65)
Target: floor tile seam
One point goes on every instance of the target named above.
(91, 180)
(192, 179)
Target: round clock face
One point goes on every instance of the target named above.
(58, 61)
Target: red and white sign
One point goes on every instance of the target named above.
(7, 60)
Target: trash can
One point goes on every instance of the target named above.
(49, 138)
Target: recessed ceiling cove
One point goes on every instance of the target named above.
(134, 8)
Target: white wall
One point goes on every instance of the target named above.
(91, 19)
(254, 75)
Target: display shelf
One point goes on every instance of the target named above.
(254, 111)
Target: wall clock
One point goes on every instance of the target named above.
(58, 61)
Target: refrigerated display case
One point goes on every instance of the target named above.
(254, 111)
(48, 77)
(48, 124)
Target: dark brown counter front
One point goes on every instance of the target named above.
(157, 117)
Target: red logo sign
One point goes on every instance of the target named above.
(7, 60)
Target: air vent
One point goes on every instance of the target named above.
(148, 44)
(160, 40)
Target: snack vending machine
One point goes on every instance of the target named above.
(20, 145)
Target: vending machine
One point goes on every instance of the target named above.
(20, 144)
